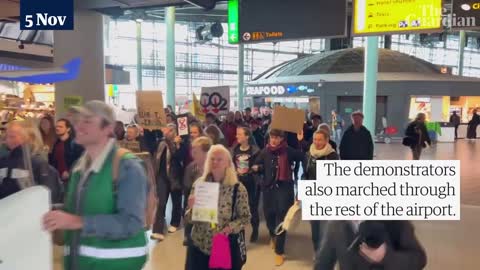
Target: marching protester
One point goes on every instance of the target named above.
(417, 135)
(119, 130)
(326, 128)
(244, 155)
(398, 249)
(104, 213)
(275, 164)
(229, 129)
(320, 149)
(168, 166)
(257, 132)
(200, 148)
(239, 118)
(133, 141)
(216, 135)
(356, 143)
(65, 151)
(196, 131)
(25, 165)
(47, 130)
(233, 212)
(337, 124)
(247, 117)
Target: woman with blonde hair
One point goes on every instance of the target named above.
(47, 131)
(233, 210)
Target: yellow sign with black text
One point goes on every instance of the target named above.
(396, 16)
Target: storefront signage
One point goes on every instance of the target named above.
(395, 16)
(70, 101)
(466, 11)
(279, 90)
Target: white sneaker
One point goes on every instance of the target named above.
(157, 236)
(172, 229)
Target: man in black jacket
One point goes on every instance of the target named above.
(65, 151)
(400, 251)
(418, 135)
(275, 163)
(357, 143)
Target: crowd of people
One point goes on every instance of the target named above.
(105, 188)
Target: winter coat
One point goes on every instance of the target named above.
(356, 144)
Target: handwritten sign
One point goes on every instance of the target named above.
(215, 100)
(288, 119)
(151, 114)
(205, 208)
(182, 125)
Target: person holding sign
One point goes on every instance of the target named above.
(275, 163)
(233, 211)
(168, 166)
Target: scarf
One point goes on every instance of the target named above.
(327, 150)
(284, 171)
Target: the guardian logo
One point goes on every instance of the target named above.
(265, 90)
(46, 15)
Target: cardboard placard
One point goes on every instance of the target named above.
(182, 125)
(133, 146)
(151, 114)
(288, 119)
(215, 100)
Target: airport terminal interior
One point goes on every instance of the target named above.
(162, 75)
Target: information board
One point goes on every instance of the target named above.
(253, 21)
(372, 17)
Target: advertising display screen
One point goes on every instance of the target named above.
(373, 17)
(253, 21)
(465, 14)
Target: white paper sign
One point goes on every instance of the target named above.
(182, 124)
(25, 245)
(215, 100)
(205, 208)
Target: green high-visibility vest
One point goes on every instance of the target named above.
(96, 253)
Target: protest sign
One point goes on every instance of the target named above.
(205, 208)
(215, 100)
(182, 125)
(151, 114)
(288, 119)
(25, 244)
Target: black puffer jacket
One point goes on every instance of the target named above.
(310, 165)
(268, 165)
(356, 144)
(14, 173)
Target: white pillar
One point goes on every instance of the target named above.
(85, 42)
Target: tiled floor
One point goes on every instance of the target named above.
(450, 245)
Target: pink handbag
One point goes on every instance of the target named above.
(220, 257)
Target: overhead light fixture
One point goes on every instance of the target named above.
(139, 20)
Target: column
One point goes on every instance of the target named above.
(241, 75)
(370, 83)
(139, 56)
(462, 43)
(170, 57)
(86, 42)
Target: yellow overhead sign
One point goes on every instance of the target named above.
(396, 16)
